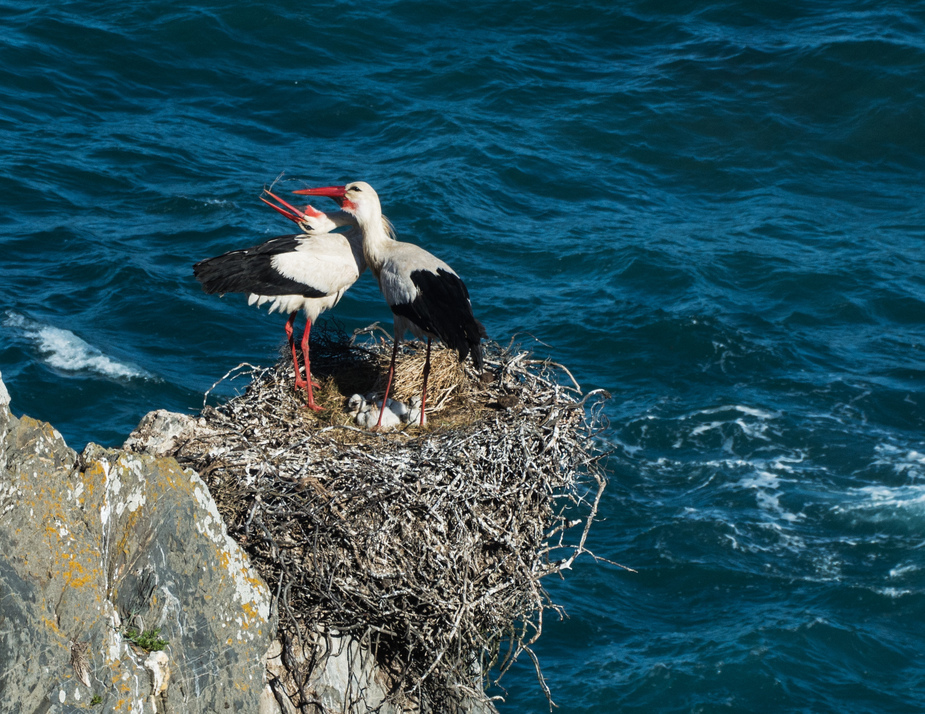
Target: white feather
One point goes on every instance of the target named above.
(368, 417)
(330, 263)
(326, 262)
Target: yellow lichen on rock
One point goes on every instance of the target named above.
(97, 543)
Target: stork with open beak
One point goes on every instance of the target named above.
(425, 294)
(309, 271)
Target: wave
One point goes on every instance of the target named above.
(883, 504)
(62, 349)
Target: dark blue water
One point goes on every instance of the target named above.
(716, 211)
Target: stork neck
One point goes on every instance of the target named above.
(376, 240)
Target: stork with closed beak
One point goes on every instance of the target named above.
(309, 271)
(425, 294)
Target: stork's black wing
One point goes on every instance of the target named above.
(251, 271)
(443, 309)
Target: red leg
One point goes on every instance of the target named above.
(308, 370)
(299, 382)
(424, 389)
(388, 382)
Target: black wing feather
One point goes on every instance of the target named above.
(251, 271)
(443, 309)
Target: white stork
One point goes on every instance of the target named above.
(425, 294)
(309, 271)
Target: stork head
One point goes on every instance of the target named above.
(357, 198)
(309, 219)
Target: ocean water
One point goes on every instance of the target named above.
(715, 211)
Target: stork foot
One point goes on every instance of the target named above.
(307, 388)
(302, 384)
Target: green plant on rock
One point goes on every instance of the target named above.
(149, 640)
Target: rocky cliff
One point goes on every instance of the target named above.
(120, 590)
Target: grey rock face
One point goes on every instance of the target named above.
(161, 433)
(4, 395)
(97, 543)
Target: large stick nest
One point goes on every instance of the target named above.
(427, 544)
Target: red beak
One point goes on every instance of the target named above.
(336, 192)
(294, 214)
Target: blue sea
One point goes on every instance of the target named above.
(713, 210)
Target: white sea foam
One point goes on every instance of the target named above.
(900, 571)
(902, 496)
(64, 350)
(767, 488)
(709, 426)
(885, 503)
(907, 462)
(748, 411)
